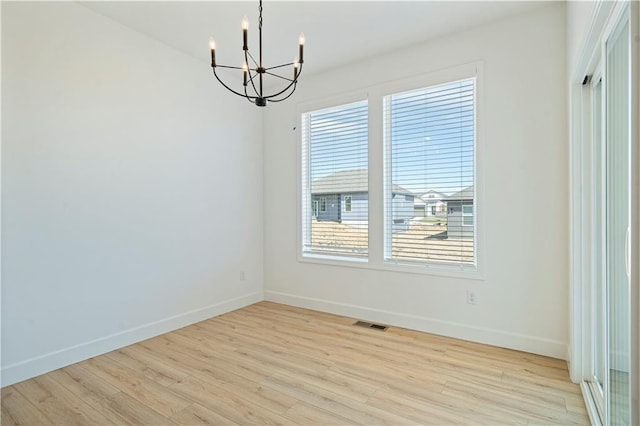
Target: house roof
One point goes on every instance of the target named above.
(465, 194)
(432, 195)
(346, 181)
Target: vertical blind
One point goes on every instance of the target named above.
(335, 198)
(430, 201)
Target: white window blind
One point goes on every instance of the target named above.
(335, 178)
(430, 200)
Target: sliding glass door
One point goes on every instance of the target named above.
(618, 221)
(609, 295)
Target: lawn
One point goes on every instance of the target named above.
(423, 240)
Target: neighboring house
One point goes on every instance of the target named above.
(344, 197)
(460, 214)
(402, 208)
(419, 207)
(435, 203)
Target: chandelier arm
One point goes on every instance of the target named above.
(279, 76)
(293, 82)
(251, 77)
(279, 66)
(246, 95)
(252, 59)
(286, 97)
(282, 91)
(230, 89)
(225, 66)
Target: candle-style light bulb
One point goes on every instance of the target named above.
(245, 71)
(245, 28)
(212, 46)
(301, 41)
(296, 67)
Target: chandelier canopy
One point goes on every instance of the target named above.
(254, 71)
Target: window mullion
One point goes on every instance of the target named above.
(376, 171)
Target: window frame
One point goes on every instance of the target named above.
(466, 215)
(322, 201)
(375, 94)
(348, 200)
(303, 228)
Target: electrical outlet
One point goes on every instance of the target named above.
(242, 276)
(471, 297)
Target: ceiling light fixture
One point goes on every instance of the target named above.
(253, 72)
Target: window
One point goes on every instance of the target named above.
(422, 137)
(467, 215)
(335, 156)
(429, 137)
(347, 203)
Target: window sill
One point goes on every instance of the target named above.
(468, 273)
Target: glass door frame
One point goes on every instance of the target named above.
(598, 383)
(605, 19)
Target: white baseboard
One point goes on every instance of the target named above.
(521, 342)
(36, 366)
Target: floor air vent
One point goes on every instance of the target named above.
(371, 325)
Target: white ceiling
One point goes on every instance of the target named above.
(337, 32)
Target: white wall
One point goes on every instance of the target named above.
(523, 157)
(131, 194)
(579, 18)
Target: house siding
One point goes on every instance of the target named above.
(455, 225)
(402, 208)
(359, 214)
(332, 211)
(359, 207)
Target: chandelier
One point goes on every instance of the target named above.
(254, 71)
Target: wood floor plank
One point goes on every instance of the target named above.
(274, 364)
(196, 414)
(133, 383)
(135, 412)
(201, 364)
(220, 373)
(155, 371)
(504, 392)
(305, 414)
(512, 405)
(327, 400)
(92, 391)
(234, 406)
(88, 381)
(423, 412)
(305, 344)
(575, 404)
(57, 403)
(17, 410)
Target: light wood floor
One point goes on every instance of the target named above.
(275, 364)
